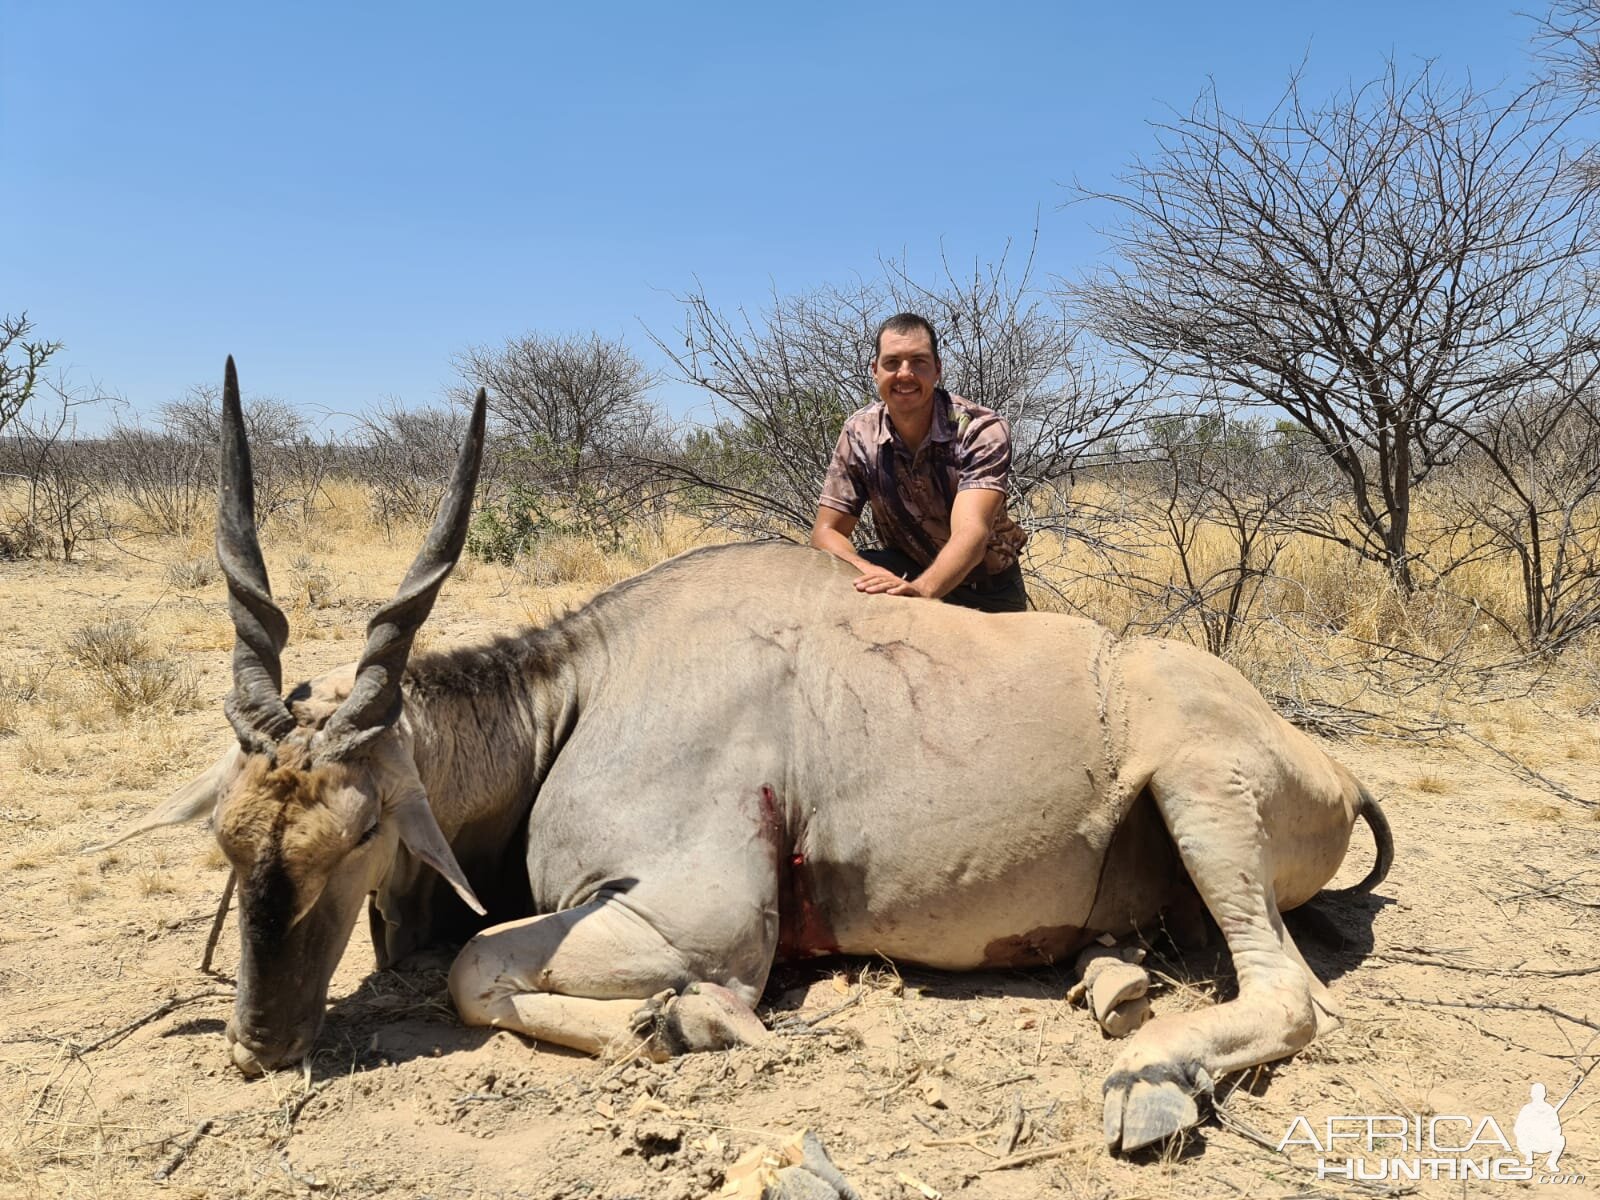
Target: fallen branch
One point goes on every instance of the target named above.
(496, 1097)
(1015, 1119)
(1000, 1083)
(184, 1148)
(290, 1113)
(1552, 890)
(1485, 1006)
(1426, 960)
(970, 1140)
(834, 1011)
(1521, 770)
(155, 1014)
(1244, 1129)
(1331, 720)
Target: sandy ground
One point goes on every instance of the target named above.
(1470, 975)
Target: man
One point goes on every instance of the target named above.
(934, 468)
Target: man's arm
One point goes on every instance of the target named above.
(831, 532)
(971, 518)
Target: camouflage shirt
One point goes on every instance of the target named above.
(911, 493)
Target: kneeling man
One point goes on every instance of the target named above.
(934, 468)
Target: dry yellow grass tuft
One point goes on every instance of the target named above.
(120, 662)
(154, 882)
(19, 688)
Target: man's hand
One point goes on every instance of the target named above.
(880, 582)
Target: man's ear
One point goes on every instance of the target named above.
(420, 833)
(192, 801)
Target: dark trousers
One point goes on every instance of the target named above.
(993, 593)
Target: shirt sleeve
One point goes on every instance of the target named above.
(985, 460)
(843, 487)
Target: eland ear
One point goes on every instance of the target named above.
(192, 801)
(422, 836)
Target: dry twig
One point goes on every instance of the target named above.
(184, 1149)
(1033, 1156)
(1485, 1005)
(155, 1014)
(1515, 766)
(1426, 958)
(216, 925)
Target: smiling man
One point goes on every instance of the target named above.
(934, 468)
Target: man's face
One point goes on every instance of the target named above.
(906, 371)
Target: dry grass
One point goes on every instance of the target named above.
(38, 755)
(193, 574)
(120, 662)
(83, 887)
(154, 882)
(19, 688)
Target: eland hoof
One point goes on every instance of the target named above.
(706, 1016)
(1144, 1113)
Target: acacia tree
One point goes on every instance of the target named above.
(1380, 268)
(1530, 488)
(404, 456)
(57, 505)
(781, 384)
(290, 464)
(21, 360)
(572, 402)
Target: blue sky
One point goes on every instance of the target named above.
(345, 195)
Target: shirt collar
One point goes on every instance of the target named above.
(943, 428)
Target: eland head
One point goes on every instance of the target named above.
(322, 790)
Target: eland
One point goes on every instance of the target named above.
(736, 758)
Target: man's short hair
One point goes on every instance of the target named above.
(905, 323)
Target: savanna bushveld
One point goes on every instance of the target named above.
(1333, 418)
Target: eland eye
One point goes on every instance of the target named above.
(372, 832)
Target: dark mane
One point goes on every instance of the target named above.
(488, 666)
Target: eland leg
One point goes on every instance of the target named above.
(602, 979)
(1212, 807)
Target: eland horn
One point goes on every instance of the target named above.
(255, 707)
(374, 700)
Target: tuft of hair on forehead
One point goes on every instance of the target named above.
(282, 813)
